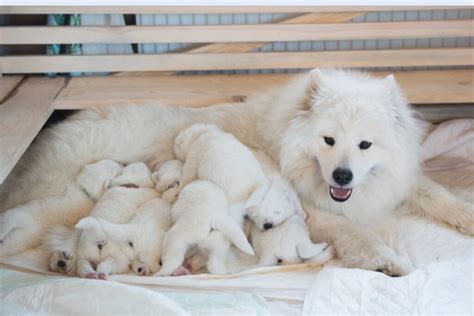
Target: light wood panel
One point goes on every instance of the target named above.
(435, 87)
(22, 116)
(7, 85)
(234, 33)
(207, 9)
(176, 62)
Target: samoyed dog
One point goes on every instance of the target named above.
(348, 142)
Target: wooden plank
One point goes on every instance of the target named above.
(22, 116)
(234, 33)
(7, 85)
(435, 87)
(208, 9)
(278, 60)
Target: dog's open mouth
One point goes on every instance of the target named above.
(339, 194)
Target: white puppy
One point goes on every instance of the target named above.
(213, 155)
(167, 178)
(21, 227)
(201, 218)
(141, 239)
(131, 189)
(288, 243)
(279, 203)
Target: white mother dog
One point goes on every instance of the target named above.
(296, 125)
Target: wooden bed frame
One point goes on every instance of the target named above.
(26, 101)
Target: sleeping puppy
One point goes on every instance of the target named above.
(21, 228)
(166, 178)
(89, 247)
(278, 204)
(210, 154)
(288, 243)
(202, 218)
(141, 239)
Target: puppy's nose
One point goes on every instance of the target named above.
(267, 225)
(342, 176)
(61, 264)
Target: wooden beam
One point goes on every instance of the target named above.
(22, 116)
(279, 60)
(234, 33)
(425, 87)
(208, 9)
(7, 85)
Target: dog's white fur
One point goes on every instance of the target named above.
(288, 123)
(210, 154)
(279, 203)
(21, 227)
(118, 205)
(167, 178)
(141, 239)
(202, 218)
(288, 243)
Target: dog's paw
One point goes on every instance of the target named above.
(182, 271)
(92, 275)
(102, 276)
(323, 257)
(464, 219)
(382, 259)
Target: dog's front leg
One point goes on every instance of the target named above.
(190, 169)
(357, 247)
(432, 199)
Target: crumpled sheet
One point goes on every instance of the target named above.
(444, 286)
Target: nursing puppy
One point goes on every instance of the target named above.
(91, 247)
(141, 239)
(202, 219)
(21, 227)
(288, 243)
(210, 154)
(166, 178)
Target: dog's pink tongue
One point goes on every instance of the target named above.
(341, 193)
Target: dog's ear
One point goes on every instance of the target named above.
(257, 195)
(155, 177)
(311, 90)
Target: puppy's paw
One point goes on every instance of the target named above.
(182, 271)
(92, 275)
(463, 221)
(102, 276)
(324, 256)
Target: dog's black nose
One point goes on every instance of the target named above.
(342, 176)
(267, 225)
(61, 264)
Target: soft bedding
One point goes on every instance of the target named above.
(444, 286)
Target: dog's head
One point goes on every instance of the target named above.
(186, 138)
(353, 138)
(135, 174)
(96, 177)
(272, 204)
(167, 175)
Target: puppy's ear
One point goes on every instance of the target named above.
(311, 90)
(155, 177)
(257, 195)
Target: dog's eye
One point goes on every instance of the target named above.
(364, 145)
(329, 140)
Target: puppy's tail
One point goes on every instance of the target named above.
(232, 230)
(117, 232)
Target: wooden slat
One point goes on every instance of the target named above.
(22, 116)
(7, 85)
(434, 87)
(234, 33)
(175, 62)
(207, 9)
